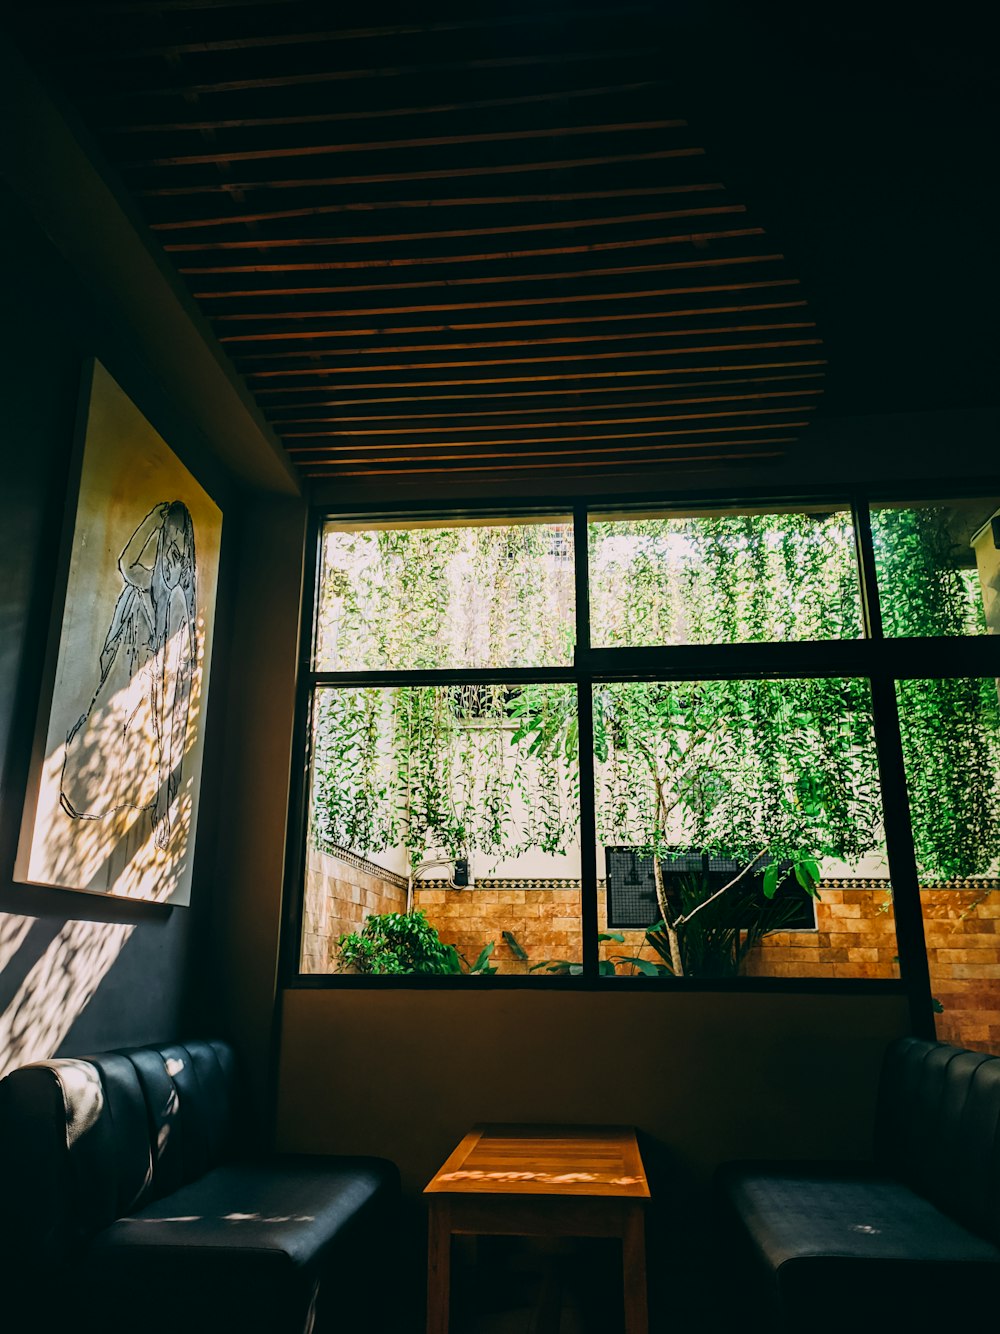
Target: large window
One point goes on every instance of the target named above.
(456, 596)
(652, 747)
(723, 578)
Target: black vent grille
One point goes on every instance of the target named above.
(632, 890)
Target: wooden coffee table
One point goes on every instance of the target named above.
(540, 1181)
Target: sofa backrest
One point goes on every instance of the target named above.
(938, 1128)
(83, 1142)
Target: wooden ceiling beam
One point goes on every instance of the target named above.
(494, 396)
(574, 358)
(478, 201)
(392, 145)
(585, 375)
(554, 300)
(571, 459)
(549, 321)
(486, 257)
(466, 427)
(378, 113)
(468, 417)
(507, 280)
(552, 439)
(376, 73)
(243, 357)
(225, 186)
(638, 467)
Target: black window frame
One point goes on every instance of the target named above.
(880, 660)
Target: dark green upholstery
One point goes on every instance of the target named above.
(911, 1237)
(133, 1202)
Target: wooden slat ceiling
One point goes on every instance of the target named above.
(481, 243)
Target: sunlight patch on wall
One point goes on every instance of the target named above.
(57, 990)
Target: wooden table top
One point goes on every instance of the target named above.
(598, 1161)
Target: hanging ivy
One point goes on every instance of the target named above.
(440, 768)
(724, 579)
(735, 766)
(951, 727)
(422, 598)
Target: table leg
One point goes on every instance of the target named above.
(438, 1267)
(634, 1270)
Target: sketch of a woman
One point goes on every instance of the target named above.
(126, 750)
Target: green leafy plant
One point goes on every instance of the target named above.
(605, 967)
(712, 931)
(745, 769)
(395, 943)
(716, 931)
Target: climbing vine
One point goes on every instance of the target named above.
(491, 595)
(950, 727)
(723, 580)
(742, 767)
(438, 768)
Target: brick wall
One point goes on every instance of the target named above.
(963, 950)
(545, 923)
(855, 935)
(338, 898)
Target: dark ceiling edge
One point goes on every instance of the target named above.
(72, 200)
(916, 450)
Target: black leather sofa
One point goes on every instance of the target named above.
(909, 1240)
(131, 1199)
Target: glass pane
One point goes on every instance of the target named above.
(723, 578)
(951, 745)
(741, 830)
(439, 828)
(938, 567)
(477, 596)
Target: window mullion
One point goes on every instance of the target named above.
(585, 733)
(910, 942)
(871, 607)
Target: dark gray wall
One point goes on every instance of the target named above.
(78, 972)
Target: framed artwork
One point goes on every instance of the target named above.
(112, 804)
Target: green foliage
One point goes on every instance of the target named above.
(606, 967)
(514, 945)
(491, 595)
(405, 943)
(737, 767)
(950, 728)
(440, 767)
(951, 743)
(927, 584)
(724, 580)
(719, 933)
(732, 767)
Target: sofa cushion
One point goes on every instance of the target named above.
(856, 1248)
(84, 1141)
(189, 1096)
(938, 1128)
(246, 1246)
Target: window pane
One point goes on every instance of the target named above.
(407, 785)
(938, 568)
(476, 596)
(951, 745)
(724, 578)
(710, 795)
